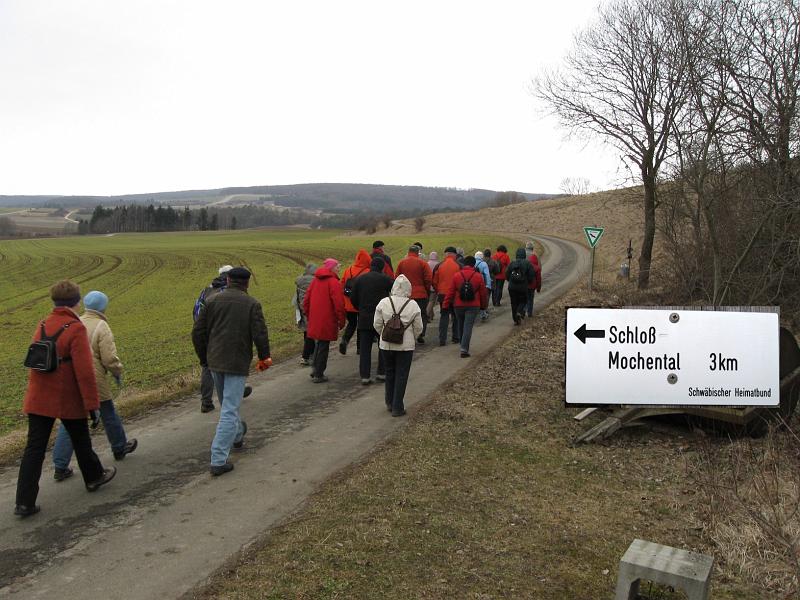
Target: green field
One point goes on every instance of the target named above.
(152, 281)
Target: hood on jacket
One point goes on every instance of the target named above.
(401, 287)
(310, 268)
(377, 264)
(521, 253)
(324, 273)
(362, 262)
(220, 281)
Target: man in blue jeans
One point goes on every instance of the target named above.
(223, 336)
(106, 361)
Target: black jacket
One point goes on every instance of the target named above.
(527, 269)
(369, 289)
(226, 329)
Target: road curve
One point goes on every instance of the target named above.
(164, 525)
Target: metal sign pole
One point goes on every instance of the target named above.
(591, 272)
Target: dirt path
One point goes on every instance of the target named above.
(164, 524)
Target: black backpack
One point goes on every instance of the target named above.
(394, 329)
(516, 275)
(467, 291)
(42, 354)
(494, 266)
(348, 285)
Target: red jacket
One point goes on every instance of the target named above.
(536, 284)
(453, 298)
(443, 278)
(419, 274)
(387, 261)
(70, 391)
(357, 268)
(323, 306)
(504, 259)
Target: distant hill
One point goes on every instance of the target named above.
(331, 197)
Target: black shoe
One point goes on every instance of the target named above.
(129, 448)
(389, 407)
(206, 407)
(26, 511)
(380, 377)
(465, 355)
(443, 343)
(216, 471)
(366, 381)
(247, 391)
(456, 340)
(108, 475)
(398, 413)
(321, 379)
(342, 347)
(420, 340)
(240, 443)
(62, 474)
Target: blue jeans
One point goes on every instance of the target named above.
(230, 389)
(62, 450)
(529, 305)
(466, 319)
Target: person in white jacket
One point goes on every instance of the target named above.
(398, 357)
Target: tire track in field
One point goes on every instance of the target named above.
(157, 264)
(96, 261)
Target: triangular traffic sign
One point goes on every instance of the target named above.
(593, 235)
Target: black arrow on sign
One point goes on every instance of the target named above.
(582, 333)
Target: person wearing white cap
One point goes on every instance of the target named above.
(206, 381)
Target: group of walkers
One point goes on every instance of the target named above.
(72, 356)
(372, 297)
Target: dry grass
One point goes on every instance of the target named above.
(483, 495)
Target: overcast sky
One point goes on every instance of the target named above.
(112, 97)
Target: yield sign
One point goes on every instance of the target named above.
(593, 235)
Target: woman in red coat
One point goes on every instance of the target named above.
(323, 305)
(69, 393)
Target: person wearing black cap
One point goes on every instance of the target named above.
(223, 338)
(368, 290)
(377, 250)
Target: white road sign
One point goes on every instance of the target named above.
(671, 357)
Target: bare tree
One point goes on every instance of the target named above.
(7, 226)
(623, 81)
(507, 199)
(419, 223)
(575, 186)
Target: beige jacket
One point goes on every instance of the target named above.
(410, 315)
(104, 351)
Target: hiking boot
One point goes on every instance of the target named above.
(108, 475)
(206, 407)
(420, 340)
(365, 381)
(465, 355)
(26, 511)
(343, 347)
(128, 449)
(304, 362)
(240, 443)
(247, 391)
(380, 377)
(398, 413)
(217, 470)
(62, 474)
(389, 407)
(320, 379)
(442, 343)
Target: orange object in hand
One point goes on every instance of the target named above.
(264, 364)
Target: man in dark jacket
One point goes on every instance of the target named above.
(519, 274)
(223, 338)
(206, 382)
(377, 251)
(369, 289)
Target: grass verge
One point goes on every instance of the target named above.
(483, 495)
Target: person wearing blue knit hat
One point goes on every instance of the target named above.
(104, 354)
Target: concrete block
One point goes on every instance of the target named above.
(681, 569)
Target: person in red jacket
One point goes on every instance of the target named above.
(442, 280)
(377, 250)
(503, 259)
(419, 273)
(466, 307)
(69, 393)
(323, 306)
(535, 286)
(359, 267)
